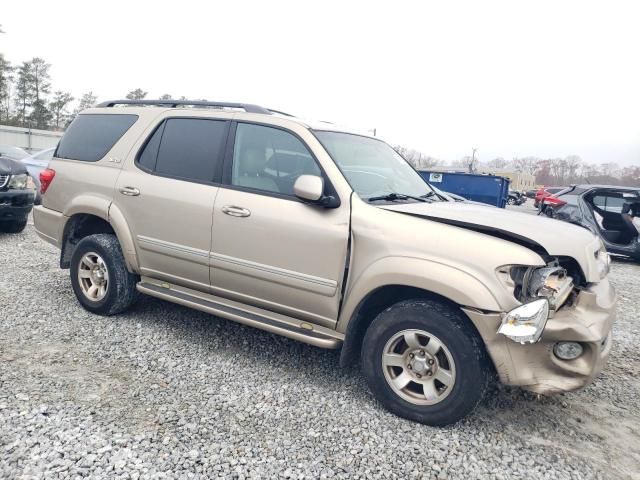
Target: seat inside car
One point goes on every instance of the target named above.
(251, 170)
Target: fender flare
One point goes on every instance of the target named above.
(103, 208)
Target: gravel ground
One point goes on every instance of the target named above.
(167, 392)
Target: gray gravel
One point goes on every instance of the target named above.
(166, 392)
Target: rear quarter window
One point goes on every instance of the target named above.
(91, 136)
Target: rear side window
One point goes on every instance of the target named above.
(91, 136)
(185, 148)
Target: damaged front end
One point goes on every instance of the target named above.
(560, 337)
(542, 291)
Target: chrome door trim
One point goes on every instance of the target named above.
(175, 250)
(302, 281)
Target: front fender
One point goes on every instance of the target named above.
(450, 282)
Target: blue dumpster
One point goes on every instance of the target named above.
(489, 189)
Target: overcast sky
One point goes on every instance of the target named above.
(510, 78)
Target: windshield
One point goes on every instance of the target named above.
(13, 152)
(374, 169)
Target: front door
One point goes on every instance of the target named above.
(270, 249)
(167, 196)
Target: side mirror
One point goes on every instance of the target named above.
(309, 188)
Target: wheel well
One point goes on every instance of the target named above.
(375, 303)
(79, 226)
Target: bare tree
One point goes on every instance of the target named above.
(609, 169)
(137, 94)
(529, 165)
(497, 163)
(573, 163)
(166, 96)
(416, 158)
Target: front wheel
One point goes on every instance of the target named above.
(511, 201)
(423, 362)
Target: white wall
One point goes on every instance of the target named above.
(31, 140)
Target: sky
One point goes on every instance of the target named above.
(510, 78)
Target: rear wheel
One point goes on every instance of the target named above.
(13, 226)
(99, 275)
(423, 362)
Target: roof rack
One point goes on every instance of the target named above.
(247, 107)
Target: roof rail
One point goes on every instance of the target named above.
(247, 107)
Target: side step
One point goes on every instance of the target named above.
(247, 315)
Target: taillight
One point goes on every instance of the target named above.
(46, 177)
(554, 201)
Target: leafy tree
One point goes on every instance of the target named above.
(58, 107)
(166, 96)
(23, 92)
(6, 78)
(137, 94)
(40, 87)
(87, 100)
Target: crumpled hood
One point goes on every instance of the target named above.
(541, 234)
(9, 166)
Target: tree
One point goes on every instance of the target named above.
(24, 94)
(58, 107)
(6, 78)
(529, 165)
(166, 96)
(137, 94)
(87, 100)
(573, 163)
(497, 163)
(41, 87)
(418, 159)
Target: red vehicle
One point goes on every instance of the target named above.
(545, 192)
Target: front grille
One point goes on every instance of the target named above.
(4, 179)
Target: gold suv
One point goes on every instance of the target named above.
(330, 238)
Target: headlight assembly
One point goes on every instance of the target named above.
(526, 323)
(531, 283)
(18, 182)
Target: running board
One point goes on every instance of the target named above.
(247, 315)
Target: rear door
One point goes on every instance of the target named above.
(269, 248)
(167, 192)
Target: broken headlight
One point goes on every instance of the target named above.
(542, 290)
(531, 283)
(526, 323)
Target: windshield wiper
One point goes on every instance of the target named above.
(393, 196)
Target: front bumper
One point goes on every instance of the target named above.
(534, 367)
(15, 204)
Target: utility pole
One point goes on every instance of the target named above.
(473, 159)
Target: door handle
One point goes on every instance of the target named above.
(235, 211)
(130, 191)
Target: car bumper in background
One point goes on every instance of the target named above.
(535, 367)
(15, 204)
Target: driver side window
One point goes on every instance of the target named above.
(269, 159)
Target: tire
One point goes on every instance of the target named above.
(469, 371)
(104, 253)
(511, 201)
(13, 226)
